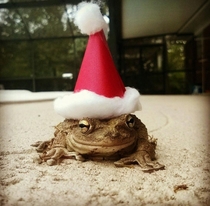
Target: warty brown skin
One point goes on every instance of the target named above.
(124, 139)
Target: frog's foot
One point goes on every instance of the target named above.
(42, 146)
(143, 159)
(52, 156)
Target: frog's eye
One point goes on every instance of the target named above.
(84, 125)
(130, 121)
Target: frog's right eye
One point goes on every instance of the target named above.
(84, 125)
(130, 121)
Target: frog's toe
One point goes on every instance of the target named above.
(152, 166)
(79, 157)
(41, 146)
(36, 144)
(75, 155)
(37, 159)
(51, 162)
(124, 162)
(56, 153)
(52, 156)
(146, 163)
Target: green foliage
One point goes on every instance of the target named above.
(176, 82)
(176, 56)
(41, 58)
(15, 60)
(45, 44)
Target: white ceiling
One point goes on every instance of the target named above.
(153, 17)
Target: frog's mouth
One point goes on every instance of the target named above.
(96, 148)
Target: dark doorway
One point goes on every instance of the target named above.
(143, 68)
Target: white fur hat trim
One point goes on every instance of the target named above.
(89, 104)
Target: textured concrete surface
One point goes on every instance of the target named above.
(180, 123)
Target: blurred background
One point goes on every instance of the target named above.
(159, 47)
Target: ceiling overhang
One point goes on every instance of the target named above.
(142, 18)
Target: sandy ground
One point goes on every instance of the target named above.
(181, 124)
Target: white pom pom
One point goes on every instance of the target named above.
(89, 19)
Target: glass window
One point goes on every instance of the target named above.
(152, 58)
(131, 61)
(15, 60)
(176, 55)
(176, 82)
(41, 49)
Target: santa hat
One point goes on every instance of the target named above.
(99, 91)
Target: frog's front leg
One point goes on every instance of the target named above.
(54, 149)
(42, 146)
(144, 157)
(53, 155)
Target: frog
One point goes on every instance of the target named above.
(123, 140)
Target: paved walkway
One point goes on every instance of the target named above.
(181, 124)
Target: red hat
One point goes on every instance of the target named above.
(99, 91)
(98, 73)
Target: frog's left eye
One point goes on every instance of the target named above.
(130, 121)
(84, 125)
